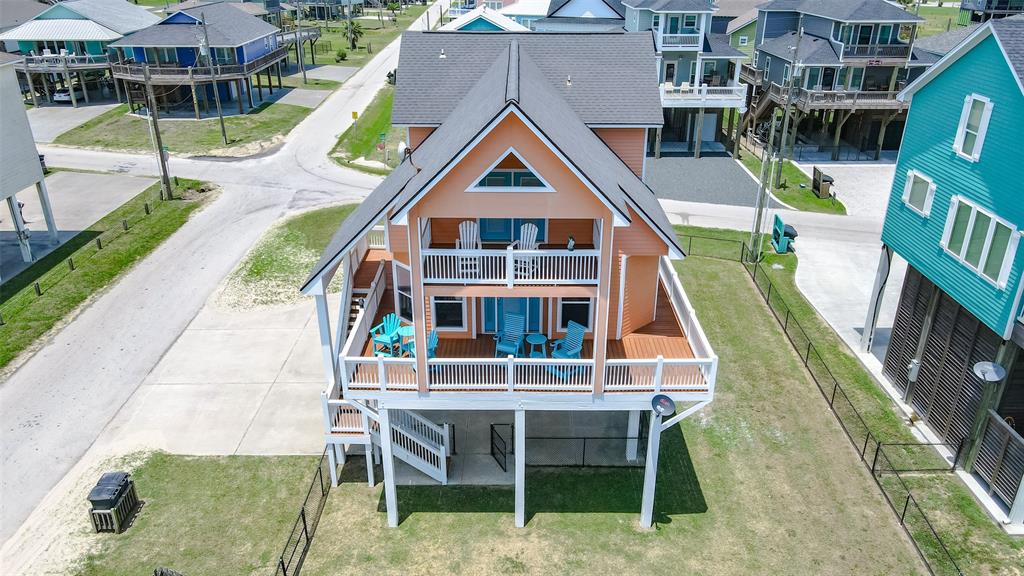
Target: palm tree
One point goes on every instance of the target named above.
(354, 31)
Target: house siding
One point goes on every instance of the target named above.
(417, 134)
(628, 144)
(750, 31)
(817, 26)
(991, 183)
(19, 160)
(774, 24)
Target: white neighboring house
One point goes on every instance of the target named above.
(19, 159)
(483, 19)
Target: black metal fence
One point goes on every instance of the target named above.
(589, 451)
(885, 461)
(290, 561)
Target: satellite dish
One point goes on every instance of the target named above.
(663, 405)
(402, 148)
(989, 371)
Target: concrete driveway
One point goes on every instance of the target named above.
(863, 188)
(79, 199)
(50, 121)
(325, 72)
(710, 180)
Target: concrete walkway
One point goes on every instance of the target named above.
(55, 406)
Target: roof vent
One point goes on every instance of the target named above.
(568, 80)
(442, 56)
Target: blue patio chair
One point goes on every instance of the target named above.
(410, 346)
(571, 346)
(385, 335)
(510, 340)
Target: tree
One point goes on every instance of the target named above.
(354, 31)
(394, 7)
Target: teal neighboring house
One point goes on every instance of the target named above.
(956, 214)
(483, 19)
(70, 41)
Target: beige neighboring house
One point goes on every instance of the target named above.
(19, 159)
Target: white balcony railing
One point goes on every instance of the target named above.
(510, 267)
(876, 51)
(511, 375)
(703, 93)
(680, 40)
(376, 238)
(659, 375)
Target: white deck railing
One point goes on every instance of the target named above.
(510, 375)
(376, 238)
(680, 40)
(659, 375)
(511, 267)
(378, 374)
(703, 93)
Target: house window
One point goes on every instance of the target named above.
(690, 21)
(510, 174)
(767, 66)
(974, 119)
(266, 43)
(980, 240)
(656, 21)
(505, 230)
(448, 312)
(785, 74)
(918, 192)
(744, 40)
(579, 310)
(403, 291)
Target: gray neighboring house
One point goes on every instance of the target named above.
(942, 44)
(582, 16)
(840, 80)
(14, 14)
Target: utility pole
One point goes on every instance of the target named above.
(154, 122)
(298, 41)
(213, 76)
(348, 16)
(789, 100)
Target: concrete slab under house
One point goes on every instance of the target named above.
(508, 295)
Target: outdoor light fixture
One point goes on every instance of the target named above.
(663, 405)
(989, 371)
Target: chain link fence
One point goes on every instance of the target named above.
(885, 461)
(290, 561)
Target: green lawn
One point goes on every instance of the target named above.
(223, 516)
(117, 130)
(938, 20)
(362, 139)
(975, 542)
(155, 3)
(789, 189)
(28, 316)
(375, 36)
(275, 267)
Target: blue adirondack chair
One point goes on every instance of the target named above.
(510, 340)
(571, 346)
(410, 346)
(385, 335)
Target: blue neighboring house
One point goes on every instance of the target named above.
(955, 215)
(175, 53)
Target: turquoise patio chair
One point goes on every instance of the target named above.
(385, 335)
(571, 346)
(509, 342)
(410, 346)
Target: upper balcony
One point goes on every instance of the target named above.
(565, 253)
(61, 63)
(175, 73)
(670, 355)
(876, 51)
(807, 100)
(732, 95)
(684, 40)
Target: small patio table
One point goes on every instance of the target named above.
(535, 340)
(409, 332)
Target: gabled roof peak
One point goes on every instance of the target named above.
(512, 78)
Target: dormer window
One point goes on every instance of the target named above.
(690, 21)
(510, 174)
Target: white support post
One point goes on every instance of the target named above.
(520, 454)
(341, 453)
(509, 267)
(877, 291)
(324, 321)
(19, 228)
(632, 434)
(650, 472)
(382, 375)
(369, 452)
(510, 377)
(658, 369)
(332, 460)
(44, 202)
(1016, 515)
(390, 498)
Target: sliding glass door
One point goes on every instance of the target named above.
(495, 309)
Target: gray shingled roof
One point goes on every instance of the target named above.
(717, 46)
(17, 12)
(227, 26)
(6, 58)
(741, 20)
(737, 8)
(813, 51)
(670, 5)
(118, 15)
(615, 5)
(1010, 33)
(846, 10)
(511, 79)
(945, 41)
(612, 79)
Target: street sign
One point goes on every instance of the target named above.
(382, 136)
(355, 115)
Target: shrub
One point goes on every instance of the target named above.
(340, 55)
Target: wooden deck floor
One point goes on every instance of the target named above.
(368, 268)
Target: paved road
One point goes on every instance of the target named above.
(710, 180)
(55, 405)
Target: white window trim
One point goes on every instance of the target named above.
(433, 315)
(1011, 247)
(961, 131)
(926, 211)
(744, 40)
(545, 187)
(395, 265)
(590, 317)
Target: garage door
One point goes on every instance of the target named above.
(947, 394)
(906, 330)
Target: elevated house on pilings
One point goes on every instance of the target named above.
(955, 216)
(837, 65)
(69, 44)
(985, 10)
(518, 221)
(173, 57)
